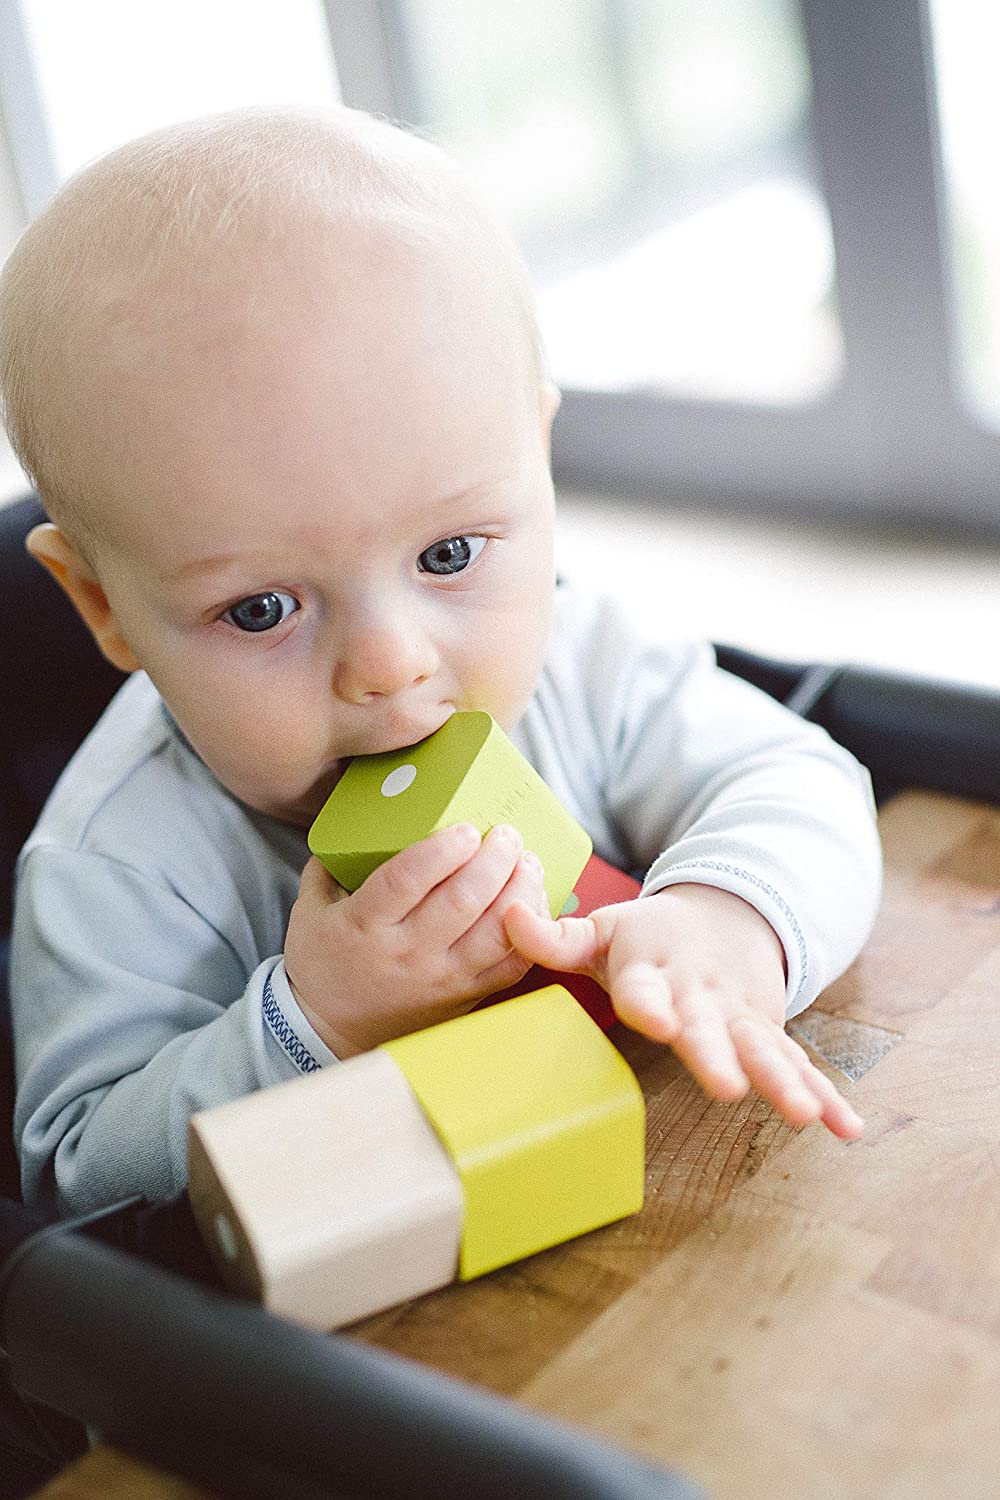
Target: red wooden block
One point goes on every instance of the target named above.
(599, 885)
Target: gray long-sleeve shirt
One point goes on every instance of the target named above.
(151, 906)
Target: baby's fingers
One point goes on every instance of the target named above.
(772, 1072)
(835, 1112)
(569, 945)
(643, 999)
(837, 1115)
(317, 886)
(392, 891)
(485, 945)
(706, 1049)
(783, 1075)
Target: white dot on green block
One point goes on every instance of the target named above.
(398, 780)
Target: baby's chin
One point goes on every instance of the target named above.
(301, 812)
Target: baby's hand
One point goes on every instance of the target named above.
(701, 969)
(422, 940)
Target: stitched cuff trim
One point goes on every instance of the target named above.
(292, 1046)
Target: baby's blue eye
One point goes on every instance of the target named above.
(451, 555)
(261, 611)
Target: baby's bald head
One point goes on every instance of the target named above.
(184, 238)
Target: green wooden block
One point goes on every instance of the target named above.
(467, 772)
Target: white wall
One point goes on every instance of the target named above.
(12, 481)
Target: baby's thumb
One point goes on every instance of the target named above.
(568, 945)
(317, 885)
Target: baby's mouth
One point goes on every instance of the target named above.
(414, 737)
(407, 740)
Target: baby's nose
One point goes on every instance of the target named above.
(382, 660)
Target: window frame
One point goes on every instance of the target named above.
(21, 112)
(894, 439)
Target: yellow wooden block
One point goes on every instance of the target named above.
(542, 1116)
(329, 1197)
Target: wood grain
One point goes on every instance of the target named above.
(790, 1315)
(107, 1474)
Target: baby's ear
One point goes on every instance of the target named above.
(549, 399)
(53, 549)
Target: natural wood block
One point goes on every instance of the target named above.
(468, 772)
(449, 1152)
(328, 1197)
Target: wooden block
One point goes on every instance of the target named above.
(329, 1197)
(467, 772)
(448, 1152)
(542, 1116)
(600, 884)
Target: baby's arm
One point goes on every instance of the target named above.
(422, 940)
(134, 1008)
(700, 969)
(130, 1011)
(706, 784)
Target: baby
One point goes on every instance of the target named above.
(277, 379)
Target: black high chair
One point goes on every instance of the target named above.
(104, 1322)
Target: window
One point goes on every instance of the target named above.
(734, 216)
(966, 44)
(763, 231)
(101, 72)
(78, 79)
(656, 164)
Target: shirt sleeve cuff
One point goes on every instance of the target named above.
(764, 898)
(302, 1046)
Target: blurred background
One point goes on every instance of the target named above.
(765, 236)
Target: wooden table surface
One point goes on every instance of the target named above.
(790, 1315)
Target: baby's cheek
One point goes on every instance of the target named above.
(278, 748)
(250, 741)
(504, 683)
